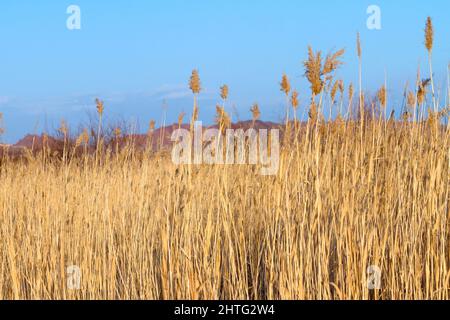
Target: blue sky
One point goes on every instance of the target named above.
(135, 54)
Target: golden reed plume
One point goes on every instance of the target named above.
(256, 113)
(181, 118)
(194, 83)
(358, 46)
(429, 35)
(224, 92)
(381, 95)
(222, 119)
(334, 90)
(100, 106)
(285, 85)
(117, 133)
(151, 128)
(422, 90)
(294, 100)
(318, 74)
(195, 86)
(313, 73)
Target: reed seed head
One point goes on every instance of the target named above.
(294, 100)
(194, 83)
(381, 95)
(422, 90)
(224, 92)
(406, 115)
(429, 34)
(358, 46)
(313, 71)
(351, 91)
(117, 132)
(151, 127)
(313, 111)
(341, 87)
(432, 118)
(334, 90)
(222, 118)
(83, 138)
(79, 141)
(285, 84)
(100, 106)
(410, 99)
(63, 129)
(332, 62)
(256, 113)
(181, 118)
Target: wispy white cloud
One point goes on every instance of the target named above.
(78, 103)
(177, 92)
(169, 92)
(4, 100)
(176, 95)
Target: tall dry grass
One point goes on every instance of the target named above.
(349, 194)
(143, 228)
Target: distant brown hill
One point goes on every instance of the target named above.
(161, 137)
(30, 142)
(36, 142)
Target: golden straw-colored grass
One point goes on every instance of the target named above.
(146, 229)
(354, 191)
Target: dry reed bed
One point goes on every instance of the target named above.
(150, 230)
(348, 195)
